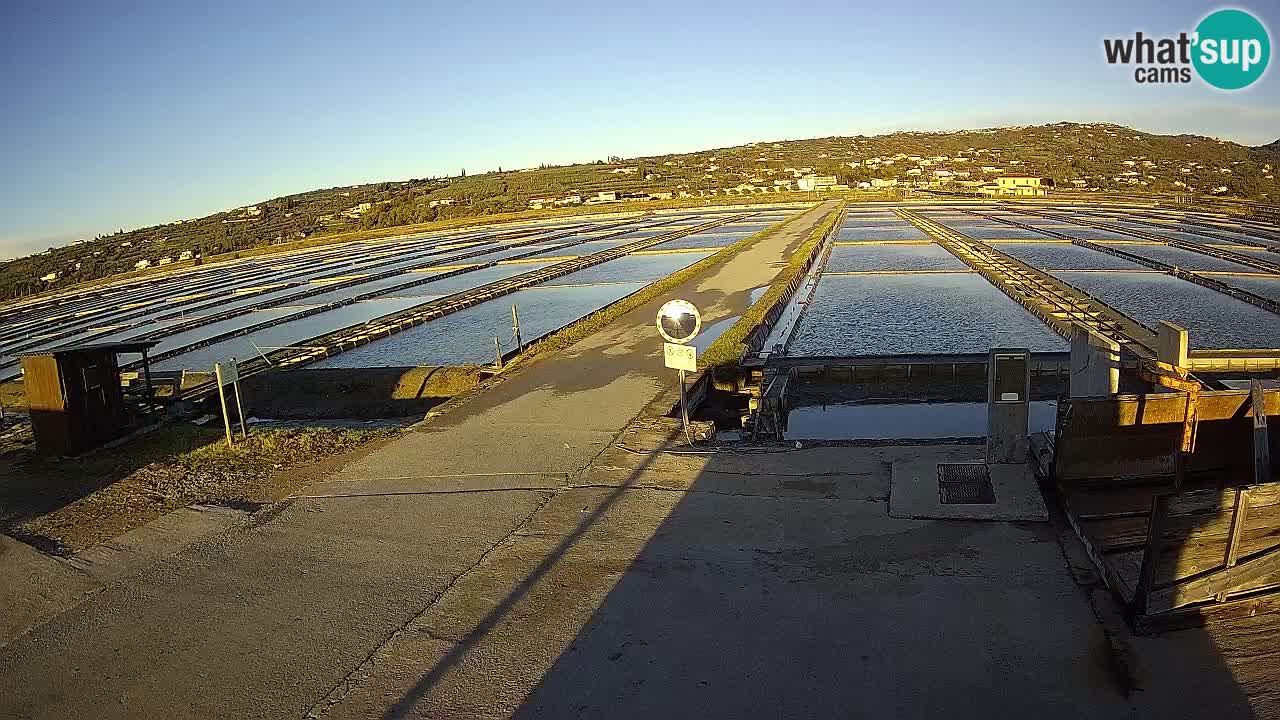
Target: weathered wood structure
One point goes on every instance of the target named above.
(75, 395)
(1176, 548)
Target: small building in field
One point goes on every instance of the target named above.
(75, 396)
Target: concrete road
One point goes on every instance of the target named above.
(268, 620)
(750, 585)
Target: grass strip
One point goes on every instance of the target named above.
(575, 331)
(728, 348)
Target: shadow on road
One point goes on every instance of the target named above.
(772, 583)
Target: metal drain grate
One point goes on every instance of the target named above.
(965, 484)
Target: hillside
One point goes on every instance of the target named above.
(1269, 152)
(1099, 157)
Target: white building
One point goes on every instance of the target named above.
(810, 183)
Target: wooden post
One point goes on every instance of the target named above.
(1261, 441)
(222, 397)
(235, 385)
(1238, 517)
(1151, 554)
(515, 328)
(146, 375)
(497, 349)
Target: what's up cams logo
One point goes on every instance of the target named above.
(1229, 50)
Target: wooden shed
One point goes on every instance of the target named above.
(75, 397)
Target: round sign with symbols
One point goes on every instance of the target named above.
(678, 321)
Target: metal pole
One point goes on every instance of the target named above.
(684, 407)
(222, 397)
(515, 328)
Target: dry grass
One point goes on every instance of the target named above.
(13, 396)
(68, 504)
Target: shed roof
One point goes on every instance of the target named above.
(127, 346)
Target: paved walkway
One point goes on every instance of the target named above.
(269, 620)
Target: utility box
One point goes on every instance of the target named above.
(1008, 404)
(75, 396)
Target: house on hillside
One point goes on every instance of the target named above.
(603, 196)
(1020, 185)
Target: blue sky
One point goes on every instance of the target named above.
(121, 115)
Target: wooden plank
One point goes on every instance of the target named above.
(1159, 507)
(1238, 516)
(1259, 571)
(1117, 585)
(1179, 562)
(1189, 543)
(1167, 408)
(1199, 616)
(1261, 443)
(1109, 453)
(1113, 500)
(1119, 533)
(1192, 502)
